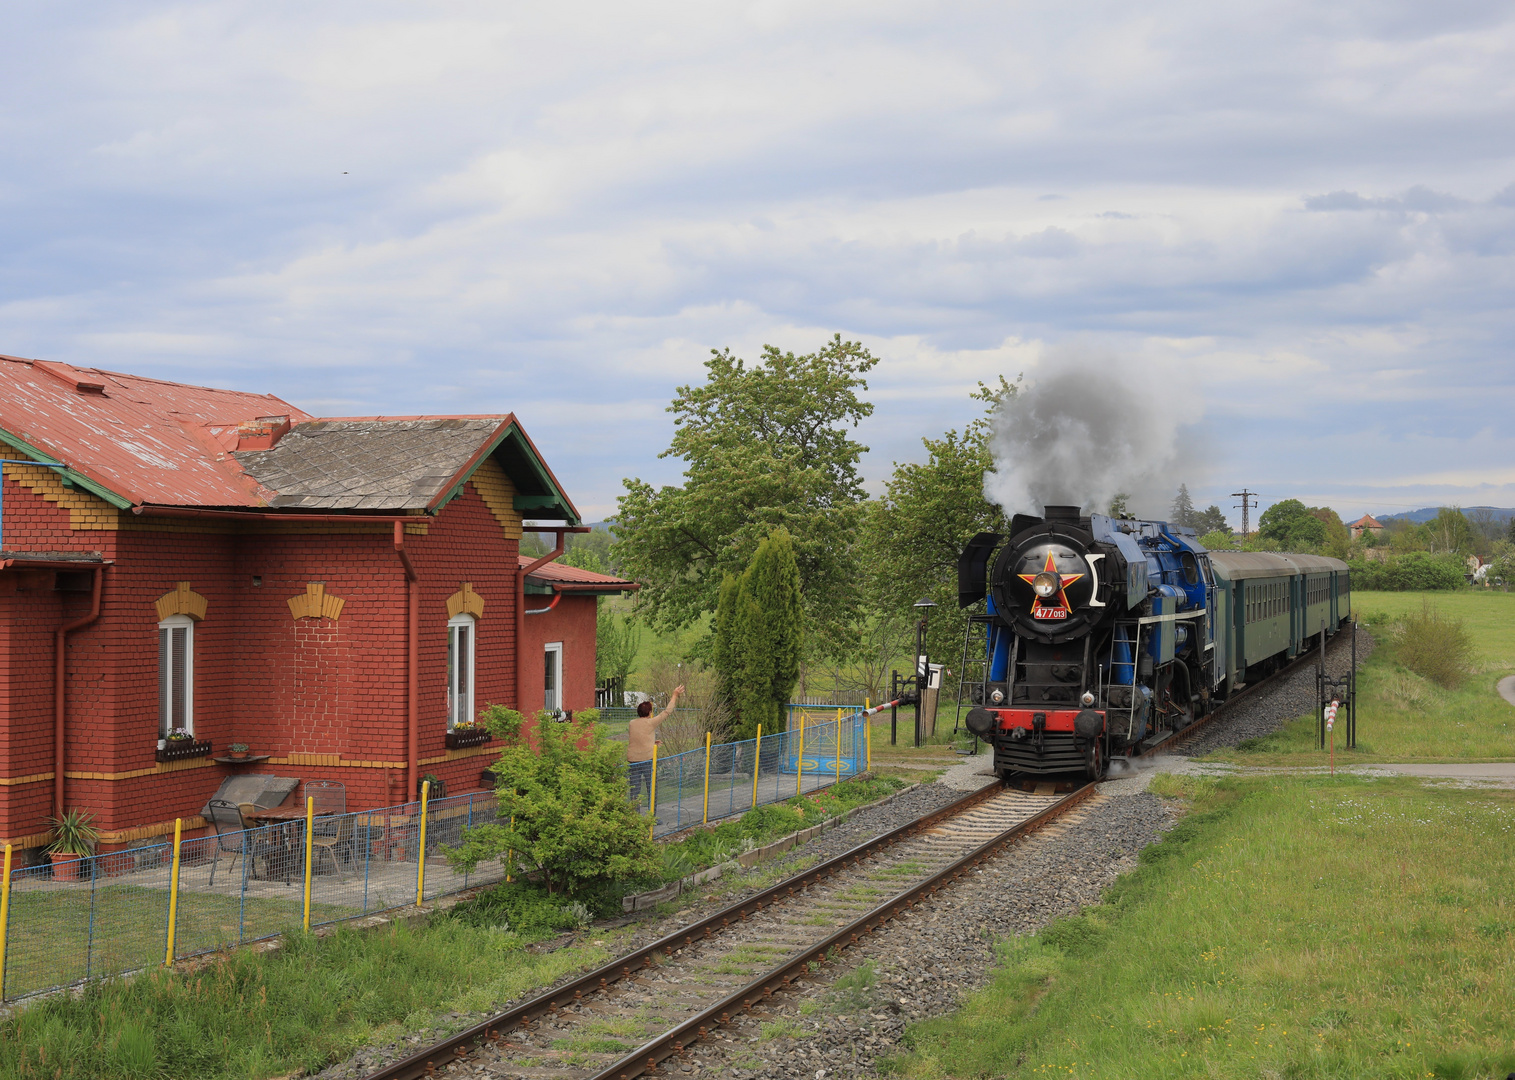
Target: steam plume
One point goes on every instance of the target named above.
(1084, 433)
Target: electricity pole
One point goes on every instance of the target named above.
(1247, 504)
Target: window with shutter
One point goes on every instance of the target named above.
(176, 675)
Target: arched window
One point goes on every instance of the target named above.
(176, 675)
(460, 635)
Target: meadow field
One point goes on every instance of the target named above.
(1403, 716)
(1295, 926)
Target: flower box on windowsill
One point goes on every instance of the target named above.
(457, 740)
(179, 749)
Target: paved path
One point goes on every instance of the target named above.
(1484, 774)
(1507, 689)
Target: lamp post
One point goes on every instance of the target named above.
(922, 665)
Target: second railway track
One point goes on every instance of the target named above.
(626, 1018)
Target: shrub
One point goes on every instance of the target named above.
(1414, 571)
(1435, 646)
(562, 787)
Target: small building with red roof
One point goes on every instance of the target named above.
(1365, 524)
(337, 594)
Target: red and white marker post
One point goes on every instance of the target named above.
(1330, 725)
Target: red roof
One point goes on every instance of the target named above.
(1365, 522)
(564, 578)
(144, 440)
(136, 441)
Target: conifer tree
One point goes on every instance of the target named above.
(1182, 512)
(759, 635)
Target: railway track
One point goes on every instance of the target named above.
(671, 998)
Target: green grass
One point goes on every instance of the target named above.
(1403, 716)
(1297, 927)
(60, 937)
(253, 1015)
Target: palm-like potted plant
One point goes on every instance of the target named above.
(74, 839)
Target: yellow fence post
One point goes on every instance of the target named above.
(757, 758)
(5, 917)
(421, 844)
(173, 893)
(707, 778)
(867, 737)
(310, 835)
(652, 795)
(799, 762)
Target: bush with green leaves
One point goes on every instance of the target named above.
(1414, 571)
(1434, 646)
(562, 787)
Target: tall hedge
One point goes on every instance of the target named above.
(1411, 572)
(758, 636)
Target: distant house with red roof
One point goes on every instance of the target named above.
(1365, 524)
(339, 594)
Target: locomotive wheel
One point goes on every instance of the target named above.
(1095, 762)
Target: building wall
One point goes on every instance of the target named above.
(326, 697)
(573, 623)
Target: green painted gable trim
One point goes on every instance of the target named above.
(69, 476)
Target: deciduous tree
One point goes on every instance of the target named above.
(765, 446)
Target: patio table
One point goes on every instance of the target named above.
(290, 838)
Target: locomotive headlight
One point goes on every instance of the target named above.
(1045, 584)
(996, 695)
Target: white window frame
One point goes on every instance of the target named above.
(552, 660)
(460, 697)
(166, 675)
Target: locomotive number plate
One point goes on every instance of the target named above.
(1050, 613)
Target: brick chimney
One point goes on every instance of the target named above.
(262, 433)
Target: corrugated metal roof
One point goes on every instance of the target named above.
(145, 440)
(575, 579)
(139, 441)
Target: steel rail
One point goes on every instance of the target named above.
(425, 1062)
(677, 1040)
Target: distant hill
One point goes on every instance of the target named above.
(1427, 513)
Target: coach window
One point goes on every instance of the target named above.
(176, 675)
(460, 637)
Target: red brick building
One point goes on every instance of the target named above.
(335, 593)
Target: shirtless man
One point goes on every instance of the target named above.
(641, 734)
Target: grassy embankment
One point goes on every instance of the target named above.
(1290, 927)
(1404, 716)
(249, 1015)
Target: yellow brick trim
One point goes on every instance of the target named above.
(313, 603)
(36, 839)
(143, 832)
(158, 769)
(465, 600)
(34, 778)
(499, 494)
(338, 761)
(86, 512)
(182, 601)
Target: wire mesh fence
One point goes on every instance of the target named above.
(125, 910)
(729, 778)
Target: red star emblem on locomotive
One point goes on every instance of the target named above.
(1060, 609)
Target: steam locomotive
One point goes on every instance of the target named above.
(1107, 635)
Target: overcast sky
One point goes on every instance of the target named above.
(1292, 223)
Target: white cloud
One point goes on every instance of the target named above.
(1297, 210)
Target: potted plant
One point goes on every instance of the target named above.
(467, 733)
(237, 750)
(180, 743)
(73, 840)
